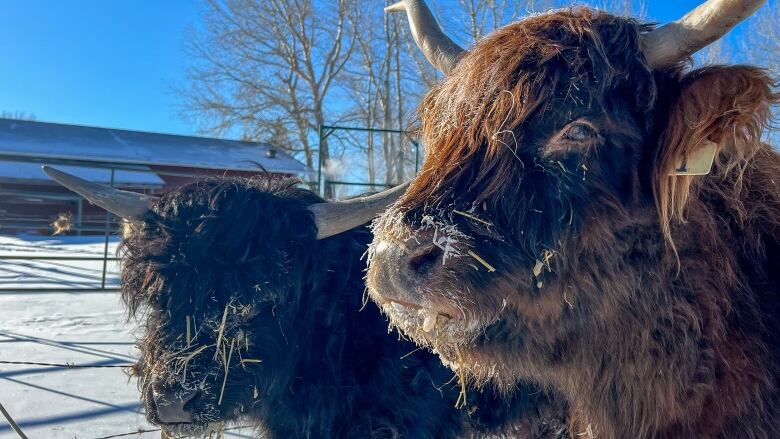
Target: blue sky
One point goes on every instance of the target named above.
(112, 63)
(105, 63)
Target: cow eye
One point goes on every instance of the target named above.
(579, 132)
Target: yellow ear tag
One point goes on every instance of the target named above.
(699, 162)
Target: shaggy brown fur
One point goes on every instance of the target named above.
(545, 227)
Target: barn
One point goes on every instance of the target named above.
(134, 160)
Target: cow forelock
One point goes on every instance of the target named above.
(494, 128)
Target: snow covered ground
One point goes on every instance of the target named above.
(83, 328)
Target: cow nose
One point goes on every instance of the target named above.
(423, 259)
(399, 271)
(171, 406)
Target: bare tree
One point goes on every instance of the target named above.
(388, 74)
(386, 77)
(264, 70)
(277, 70)
(18, 115)
(716, 53)
(627, 8)
(485, 16)
(473, 19)
(761, 43)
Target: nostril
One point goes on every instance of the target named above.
(191, 400)
(421, 262)
(171, 406)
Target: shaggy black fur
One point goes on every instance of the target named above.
(306, 357)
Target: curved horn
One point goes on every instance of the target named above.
(126, 204)
(439, 49)
(700, 27)
(335, 217)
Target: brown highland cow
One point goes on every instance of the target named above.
(567, 227)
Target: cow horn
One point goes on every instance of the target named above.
(700, 27)
(335, 217)
(125, 204)
(331, 218)
(439, 49)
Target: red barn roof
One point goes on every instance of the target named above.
(44, 140)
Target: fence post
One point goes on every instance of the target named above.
(79, 216)
(320, 185)
(105, 247)
(12, 422)
(416, 156)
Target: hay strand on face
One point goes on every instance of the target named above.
(413, 351)
(537, 270)
(461, 402)
(470, 216)
(479, 259)
(566, 299)
(227, 369)
(546, 257)
(183, 361)
(221, 330)
(189, 335)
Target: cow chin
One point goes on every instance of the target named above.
(430, 327)
(191, 430)
(460, 342)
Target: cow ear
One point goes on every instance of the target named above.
(714, 128)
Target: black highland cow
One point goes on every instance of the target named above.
(302, 360)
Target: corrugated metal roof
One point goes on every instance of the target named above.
(20, 172)
(52, 140)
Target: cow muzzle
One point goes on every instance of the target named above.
(401, 276)
(170, 406)
(171, 409)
